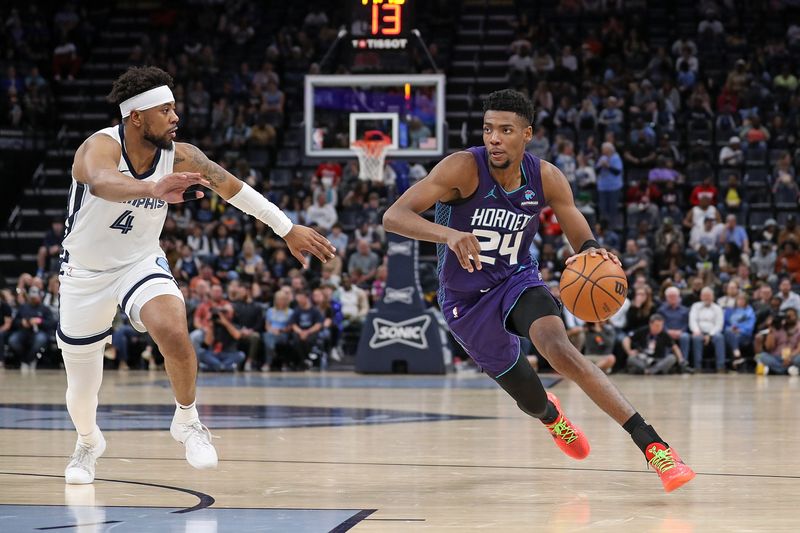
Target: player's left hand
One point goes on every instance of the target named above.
(304, 239)
(593, 253)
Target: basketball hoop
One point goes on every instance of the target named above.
(371, 152)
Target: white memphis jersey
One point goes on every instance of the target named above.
(101, 235)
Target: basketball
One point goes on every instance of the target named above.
(592, 288)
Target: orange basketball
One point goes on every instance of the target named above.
(592, 288)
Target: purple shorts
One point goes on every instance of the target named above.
(478, 321)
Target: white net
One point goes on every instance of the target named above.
(371, 158)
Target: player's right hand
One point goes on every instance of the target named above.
(467, 249)
(171, 187)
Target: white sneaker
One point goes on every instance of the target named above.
(80, 470)
(196, 438)
(793, 371)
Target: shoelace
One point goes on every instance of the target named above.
(563, 431)
(662, 459)
(81, 457)
(201, 432)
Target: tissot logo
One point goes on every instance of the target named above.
(404, 295)
(390, 44)
(399, 248)
(410, 332)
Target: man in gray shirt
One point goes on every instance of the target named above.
(362, 264)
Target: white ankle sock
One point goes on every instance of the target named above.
(186, 414)
(92, 439)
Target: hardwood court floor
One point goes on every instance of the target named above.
(312, 452)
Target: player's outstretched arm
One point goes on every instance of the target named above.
(96, 165)
(447, 181)
(558, 194)
(299, 239)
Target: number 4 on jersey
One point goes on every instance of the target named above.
(124, 222)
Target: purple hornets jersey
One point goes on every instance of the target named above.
(476, 305)
(504, 222)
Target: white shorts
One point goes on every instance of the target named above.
(89, 300)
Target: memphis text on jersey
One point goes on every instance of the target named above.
(147, 203)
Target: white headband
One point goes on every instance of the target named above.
(146, 100)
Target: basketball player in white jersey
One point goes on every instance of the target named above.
(123, 179)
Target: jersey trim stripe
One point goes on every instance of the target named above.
(79, 190)
(83, 341)
(139, 284)
(442, 215)
(132, 170)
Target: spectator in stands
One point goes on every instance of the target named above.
(202, 314)
(788, 262)
(730, 260)
(355, 304)
(520, 68)
(728, 300)
(238, 133)
(612, 117)
(640, 154)
(362, 264)
(698, 215)
(219, 351)
(650, 350)
(781, 349)
(789, 298)
(6, 320)
(305, 326)
(731, 155)
(566, 162)
(763, 262)
(321, 214)
(540, 144)
(790, 231)
(188, 266)
(33, 328)
(676, 318)
(277, 329)
(66, 60)
(634, 259)
(666, 234)
(47, 258)
(734, 233)
(732, 197)
(740, 323)
(609, 185)
(706, 321)
(248, 319)
(641, 308)
(600, 338)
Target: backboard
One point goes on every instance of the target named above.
(409, 108)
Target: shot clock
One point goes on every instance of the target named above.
(381, 24)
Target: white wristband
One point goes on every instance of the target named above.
(254, 204)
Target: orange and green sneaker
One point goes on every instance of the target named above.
(567, 436)
(673, 472)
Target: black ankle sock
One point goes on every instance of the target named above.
(550, 413)
(641, 433)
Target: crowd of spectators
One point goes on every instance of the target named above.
(42, 47)
(682, 154)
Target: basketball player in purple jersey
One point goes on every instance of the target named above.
(488, 200)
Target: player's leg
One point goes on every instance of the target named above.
(549, 336)
(149, 295)
(87, 310)
(161, 310)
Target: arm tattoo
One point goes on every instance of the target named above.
(199, 162)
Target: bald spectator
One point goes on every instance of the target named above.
(706, 321)
(676, 318)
